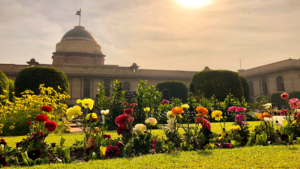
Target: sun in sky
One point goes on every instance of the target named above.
(193, 3)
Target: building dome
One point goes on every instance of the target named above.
(78, 32)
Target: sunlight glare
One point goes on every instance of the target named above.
(194, 3)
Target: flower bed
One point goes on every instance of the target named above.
(136, 139)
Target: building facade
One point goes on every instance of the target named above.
(80, 57)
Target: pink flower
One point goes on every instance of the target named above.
(294, 103)
(165, 102)
(154, 142)
(240, 109)
(232, 109)
(298, 115)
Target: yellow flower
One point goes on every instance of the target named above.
(11, 127)
(102, 151)
(217, 114)
(78, 101)
(152, 121)
(4, 91)
(220, 138)
(294, 122)
(88, 103)
(235, 127)
(28, 116)
(1, 131)
(94, 116)
(77, 110)
(147, 109)
(140, 127)
(1, 126)
(170, 115)
(59, 87)
(185, 106)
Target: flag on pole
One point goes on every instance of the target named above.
(78, 12)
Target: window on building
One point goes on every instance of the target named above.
(264, 85)
(280, 83)
(86, 88)
(107, 86)
(251, 88)
(126, 86)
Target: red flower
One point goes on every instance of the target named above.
(112, 151)
(126, 103)
(106, 136)
(120, 128)
(19, 144)
(30, 122)
(50, 125)
(46, 108)
(283, 112)
(133, 104)
(93, 146)
(121, 120)
(3, 142)
(53, 144)
(128, 111)
(203, 121)
(41, 117)
(284, 96)
(3, 161)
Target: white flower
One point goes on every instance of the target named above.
(268, 118)
(140, 127)
(104, 112)
(278, 121)
(152, 121)
(268, 105)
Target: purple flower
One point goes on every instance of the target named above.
(165, 102)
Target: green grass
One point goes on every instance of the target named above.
(70, 137)
(248, 157)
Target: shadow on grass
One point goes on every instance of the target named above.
(204, 152)
(293, 148)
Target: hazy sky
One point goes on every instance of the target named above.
(157, 34)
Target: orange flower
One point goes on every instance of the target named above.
(202, 111)
(177, 111)
(262, 116)
(91, 142)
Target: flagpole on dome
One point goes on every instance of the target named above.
(79, 13)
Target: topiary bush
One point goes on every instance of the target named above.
(11, 89)
(176, 89)
(260, 97)
(165, 94)
(31, 78)
(4, 85)
(276, 98)
(218, 83)
(294, 94)
(246, 88)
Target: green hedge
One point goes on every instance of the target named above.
(246, 88)
(165, 94)
(276, 98)
(31, 78)
(11, 89)
(295, 94)
(260, 97)
(4, 85)
(176, 89)
(219, 83)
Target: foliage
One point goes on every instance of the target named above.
(4, 85)
(218, 83)
(11, 89)
(165, 94)
(295, 94)
(275, 98)
(15, 115)
(260, 97)
(246, 88)
(30, 79)
(176, 89)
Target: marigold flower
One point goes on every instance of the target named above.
(177, 111)
(202, 111)
(284, 95)
(152, 121)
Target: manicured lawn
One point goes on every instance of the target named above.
(70, 137)
(248, 157)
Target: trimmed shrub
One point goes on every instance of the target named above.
(246, 88)
(4, 85)
(166, 94)
(176, 89)
(276, 98)
(31, 78)
(294, 94)
(260, 97)
(11, 89)
(219, 83)
(192, 88)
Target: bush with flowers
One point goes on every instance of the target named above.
(15, 115)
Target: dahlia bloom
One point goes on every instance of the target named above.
(165, 102)
(294, 103)
(232, 109)
(121, 120)
(203, 121)
(46, 108)
(284, 95)
(50, 126)
(202, 111)
(128, 111)
(112, 151)
(41, 117)
(152, 121)
(240, 109)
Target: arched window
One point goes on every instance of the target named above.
(126, 86)
(280, 83)
(251, 88)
